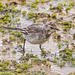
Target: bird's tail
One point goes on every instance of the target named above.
(12, 28)
(19, 29)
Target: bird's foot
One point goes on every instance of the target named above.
(23, 51)
(43, 53)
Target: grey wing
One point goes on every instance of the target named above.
(35, 34)
(35, 28)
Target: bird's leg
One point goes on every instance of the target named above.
(42, 50)
(24, 45)
(40, 47)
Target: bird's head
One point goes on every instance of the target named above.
(51, 27)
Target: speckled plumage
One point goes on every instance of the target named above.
(37, 33)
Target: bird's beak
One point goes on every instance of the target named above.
(57, 29)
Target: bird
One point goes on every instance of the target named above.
(36, 33)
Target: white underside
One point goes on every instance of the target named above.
(35, 39)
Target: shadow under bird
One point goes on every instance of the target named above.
(36, 33)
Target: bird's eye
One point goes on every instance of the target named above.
(48, 30)
(52, 28)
